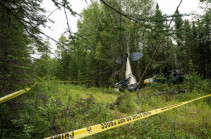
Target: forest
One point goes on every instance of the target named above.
(75, 84)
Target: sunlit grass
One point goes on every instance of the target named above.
(76, 92)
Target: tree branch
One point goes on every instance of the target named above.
(125, 15)
(159, 44)
(68, 26)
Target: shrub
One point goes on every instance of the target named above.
(127, 104)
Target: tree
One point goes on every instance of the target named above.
(14, 52)
(20, 30)
(179, 37)
(187, 40)
(178, 28)
(153, 37)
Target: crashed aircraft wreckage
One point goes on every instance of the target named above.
(129, 82)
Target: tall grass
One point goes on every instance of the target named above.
(53, 108)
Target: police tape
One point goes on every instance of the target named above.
(77, 81)
(65, 81)
(15, 94)
(84, 132)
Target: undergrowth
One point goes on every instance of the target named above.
(52, 108)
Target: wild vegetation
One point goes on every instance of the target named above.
(53, 107)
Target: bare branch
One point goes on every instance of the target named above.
(125, 15)
(68, 26)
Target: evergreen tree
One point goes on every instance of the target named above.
(14, 52)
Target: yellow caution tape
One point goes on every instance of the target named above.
(78, 81)
(84, 132)
(15, 94)
(66, 81)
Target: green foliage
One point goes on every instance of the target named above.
(46, 68)
(14, 53)
(127, 104)
(103, 35)
(52, 108)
